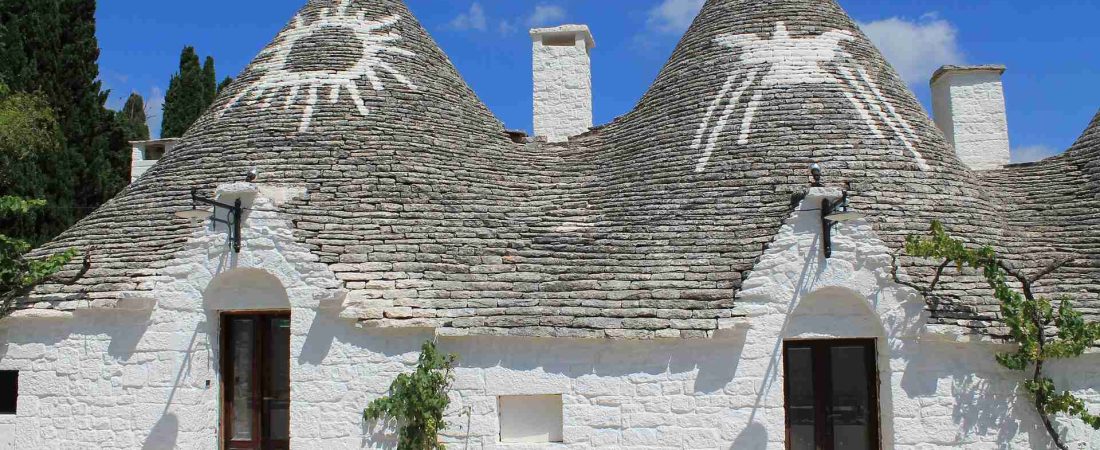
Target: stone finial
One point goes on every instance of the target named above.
(968, 103)
(562, 81)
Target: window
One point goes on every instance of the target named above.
(9, 391)
(831, 395)
(559, 40)
(530, 418)
(154, 153)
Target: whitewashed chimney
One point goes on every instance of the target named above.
(563, 81)
(968, 103)
(145, 155)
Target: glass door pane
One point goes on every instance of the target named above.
(850, 415)
(800, 400)
(276, 395)
(242, 342)
(831, 394)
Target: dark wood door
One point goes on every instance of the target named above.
(256, 381)
(831, 395)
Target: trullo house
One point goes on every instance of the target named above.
(663, 281)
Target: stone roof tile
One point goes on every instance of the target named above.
(643, 228)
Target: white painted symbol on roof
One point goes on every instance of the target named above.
(283, 74)
(793, 61)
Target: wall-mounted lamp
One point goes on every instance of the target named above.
(832, 213)
(196, 214)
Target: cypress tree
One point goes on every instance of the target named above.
(225, 83)
(133, 118)
(190, 92)
(185, 100)
(88, 131)
(209, 81)
(49, 47)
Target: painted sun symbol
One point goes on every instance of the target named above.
(353, 48)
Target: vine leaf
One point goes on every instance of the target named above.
(18, 274)
(1027, 316)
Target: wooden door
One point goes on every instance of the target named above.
(256, 381)
(831, 395)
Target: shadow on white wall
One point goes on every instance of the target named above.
(164, 434)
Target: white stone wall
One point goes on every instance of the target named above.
(112, 379)
(562, 87)
(139, 162)
(935, 391)
(969, 107)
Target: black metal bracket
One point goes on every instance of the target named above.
(236, 210)
(828, 207)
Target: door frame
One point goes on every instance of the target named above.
(822, 383)
(225, 403)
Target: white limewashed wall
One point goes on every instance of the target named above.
(562, 81)
(968, 105)
(108, 378)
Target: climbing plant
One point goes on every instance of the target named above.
(18, 275)
(417, 400)
(1042, 330)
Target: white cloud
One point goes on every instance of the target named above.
(673, 16)
(546, 14)
(916, 48)
(1032, 153)
(543, 15)
(507, 27)
(473, 19)
(476, 19)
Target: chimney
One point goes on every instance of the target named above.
(563, 81)
(968, 103)
(145, 154)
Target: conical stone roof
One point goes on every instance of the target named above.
(350, 96)
(645, 227)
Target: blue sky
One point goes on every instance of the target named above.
(1052, 49)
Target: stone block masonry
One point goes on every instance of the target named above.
(562, 81)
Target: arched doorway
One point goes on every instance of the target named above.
(831, 373)
(253, 312)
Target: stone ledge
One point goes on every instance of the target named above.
(38, 313)
(949, 69)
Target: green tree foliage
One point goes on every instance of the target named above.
(27, 126)
(18, 275)
(29, 135)
(133, 118)
(49, 48)
(31, 142)
(186, 96)
(224, 84)
(190, 92)
(1044, 332)
(417, 401)
(209, 81)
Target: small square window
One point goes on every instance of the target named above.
(9, 391)
(559, 40)
(154, 153)
(530, 418)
